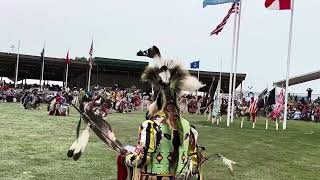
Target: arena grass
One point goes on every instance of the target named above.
(33, 145)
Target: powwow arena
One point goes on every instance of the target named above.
(156, 117)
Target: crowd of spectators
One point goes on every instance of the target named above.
(127, 100)
(304, 109)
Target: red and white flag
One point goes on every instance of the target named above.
(253, 108)
(67, 58)
(278, 4)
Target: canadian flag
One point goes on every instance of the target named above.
(67, 58)
(278, 4)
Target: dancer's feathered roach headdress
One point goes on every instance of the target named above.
(169, 77)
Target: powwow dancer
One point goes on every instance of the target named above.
(102, 104)
(145, 102)
(136, 101)
(58, 105)
(199, 102)
(183, 103)
(167, 144)
(75, 95)
(192, 105)
(31, 100)
(241, 107)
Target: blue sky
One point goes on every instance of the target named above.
(179, 28)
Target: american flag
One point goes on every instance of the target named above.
(90, 55)
(253, 109)
(234, 9)
(258, 102)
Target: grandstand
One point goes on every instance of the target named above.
(105, 71)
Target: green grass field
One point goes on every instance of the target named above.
(33, 145)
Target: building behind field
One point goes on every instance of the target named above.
(106, 72)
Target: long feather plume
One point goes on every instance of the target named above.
(72, 148)
(229, 163)
(82, 143)
(104, 131)
(158, 61)
(78, 147)
(99, 126)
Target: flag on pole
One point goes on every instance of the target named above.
(42, 68)
(42, 54)
(278, 4)
(271, 97)
(90, 55)
(67, 58)
(216, 101)
(253, 105)
(195, 65)
(256, 104)
(90, 65)
(279, 107)
(264, 92)
(234, 9)
(215, 2)
(284, 5)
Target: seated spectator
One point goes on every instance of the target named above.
(297, 115)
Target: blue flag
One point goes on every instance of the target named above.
(215, 2)
(195, 65)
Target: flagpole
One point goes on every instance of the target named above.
(236, 64)
(220, 75)
(198, 79)
(288, 69)
(67, 69)
(219, 97)
(66, 84)
(42, 68)
(90, 63)
(89, 77)
(17, 66)
(198, 73)
(231, 68)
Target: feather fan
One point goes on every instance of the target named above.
(100, 127)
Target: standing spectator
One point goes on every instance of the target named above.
(183, 104)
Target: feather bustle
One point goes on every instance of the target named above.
(150, 74)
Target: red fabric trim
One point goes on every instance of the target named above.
(122, 169)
